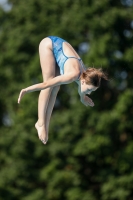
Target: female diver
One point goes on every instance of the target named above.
(55, 51)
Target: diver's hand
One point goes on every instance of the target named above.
(87, 101)
(22, 93)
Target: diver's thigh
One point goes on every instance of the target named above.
(47, 60)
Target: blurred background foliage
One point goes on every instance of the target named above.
(89, 155)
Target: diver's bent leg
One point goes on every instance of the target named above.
(50, 107)
(48, 66)
(42, 109)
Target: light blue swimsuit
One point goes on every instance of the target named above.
(59, 55)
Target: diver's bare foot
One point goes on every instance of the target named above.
(41, 133)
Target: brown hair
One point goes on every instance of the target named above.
(93, 76)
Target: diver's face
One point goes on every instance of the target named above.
(87, 89)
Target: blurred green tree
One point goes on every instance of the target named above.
(89, 153)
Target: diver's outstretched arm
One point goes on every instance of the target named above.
(58, 80)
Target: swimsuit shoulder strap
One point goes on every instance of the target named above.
(82, 66)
